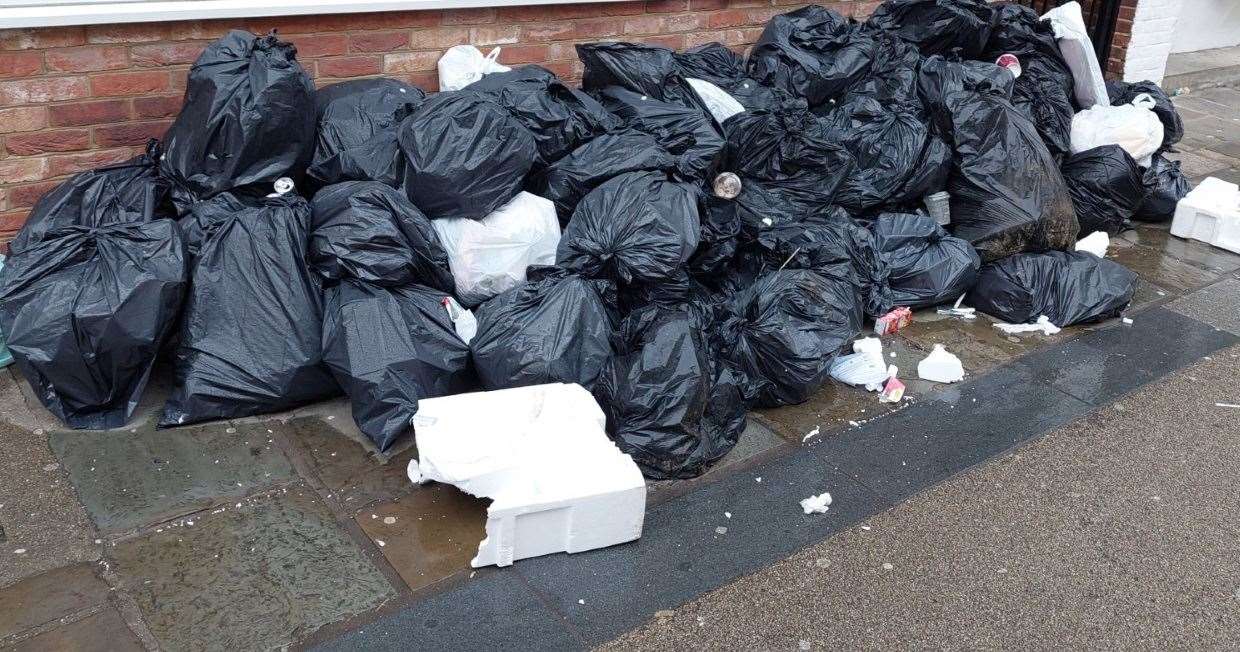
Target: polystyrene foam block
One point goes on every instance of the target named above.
(541, 454)
(1210, 213)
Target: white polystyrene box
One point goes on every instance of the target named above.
(1210, 213)
(541, 453)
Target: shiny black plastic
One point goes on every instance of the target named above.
(1106, 188)
(1165, 185)
(926, 266)
(350, 114)
(1068, 287)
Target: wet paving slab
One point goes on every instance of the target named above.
(1217, 305)
(353, 475)
(1190, 252)
(103, 631)
(131, 478)
(48, 597)
(1157, 267)
(256, 574)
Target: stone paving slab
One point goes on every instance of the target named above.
(104, 631)
(131, 478)
(1189, 252)
(256, 576)
(46, 597)
(1217, 305)
(352, 474)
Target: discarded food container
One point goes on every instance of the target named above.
(727, 186)
(1210, 213)
(1009, 62)
(541, 454)
(939, 207)
(940, 366)
(893, 321)
(893, 391)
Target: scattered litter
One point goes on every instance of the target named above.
(51, 467)
(19, 551)
(888, 567)
(472, 574)
(817, 504)
(822, 562)
(721, 530)
(853, 424)
(1095, 243)
(389, 520)
(727, 514)
(865, 527)
(810, 434)
(893, 321)
(803, 645)
(758, 479)
(957, 311)
(1227, 405)
(940, 366)
(893, 391)
(1127, 320)
(380, 542)
(1043, 325)
(864, 367)
(580, 601)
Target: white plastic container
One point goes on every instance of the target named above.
(1210, 213)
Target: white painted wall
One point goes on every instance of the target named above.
(1153, 29)
(1206, 24)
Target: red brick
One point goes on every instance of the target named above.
(26, 196)
(15, 170)
(378, 41)
(20, 64)
(317, 23)
(742, 4)
(544, 13)
(88, 113)
(546, 32)
(42, 142)
(158, 106)
(200, 30)
(126, 33)
(673, 41)
(22, 118)
(729, 18)
(643, 25)
(519, 54)
(12, 221)
(475, 16)
(87, 59)
(350, 66)
(177, 79)
(683, 22)
(440, 39)
(666, 6)
(562, 69)
(43, 89)
(618, 8)
(321, 45)
(42, 37)
(862, 10)
(426, 80)
(130, 133)
(494, 35)
(74, 163)
(410, 61)
(129, 83)
(708, 5)
(585, 29)
(164, 54)
(1120, 40)
(562, 52)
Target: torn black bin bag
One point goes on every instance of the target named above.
(782, 332)
(572, 177)
(1165, 186)
(647, 70)
(371, 232)
(85, 312)
(465, 155)
(390, 347)
(898, 158)
(127, 192)
(719, 65)
(559, 116)
(926, 266)
(349, 114)
(251, 333)
(1007, 194)
(1106, 188)
(836, 247)
(688, 133)
(669, 403)
(937, 26)
(1121, 93)
(638, 227)
(555, 328)
(1069, 287)
(246, 119)
(812, 53)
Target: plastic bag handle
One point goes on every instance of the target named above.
(493, 55)
(1144, 100)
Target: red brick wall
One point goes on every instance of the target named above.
(75, 98)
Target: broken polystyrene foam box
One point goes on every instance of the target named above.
(1210, 213)
(940, 366)
(1095, 243)
(541, 454)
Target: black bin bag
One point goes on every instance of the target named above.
(1165, 186)
(349, 114)
(638, 227)
(251, 333)
(465, 156)
(688, 133)
(1007, 194)
(371, 232)
(937, 26)
(719, 65)
(555, 328)
(892, 76)
(572, 177)
(1121, 93)
(559, 116)
(390, 347)
(926, 266)
(647, 70)
(669, 403)
(1106, 188)
(812, 53)
(85, 312)
(127, 192)
(247, 119)
(782, 332)
(1068, 287)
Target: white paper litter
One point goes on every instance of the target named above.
(940, 366)
(1095, 243)
(817, 504)
(720, 104)
(810, 434)
(1043, 324)
(957, 311)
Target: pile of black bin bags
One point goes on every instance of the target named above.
(679, 298)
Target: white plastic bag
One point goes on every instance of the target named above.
(1135, 127)
(721, 105)
(1089, 85)
(489, 256)
(463, 65)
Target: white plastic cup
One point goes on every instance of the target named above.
(939, 207)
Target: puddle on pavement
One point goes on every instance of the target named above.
(427, 535)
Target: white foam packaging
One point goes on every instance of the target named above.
(1210, 213)
(542, 455)
(490, 255)
(1089, 86)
